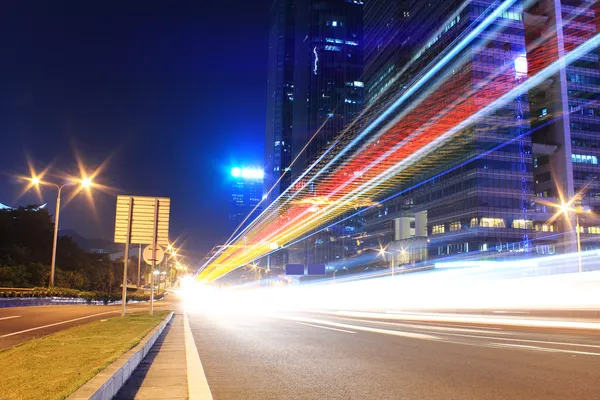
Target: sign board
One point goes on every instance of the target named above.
(294, 269)
(142, 219)
(316, 269)
(160, 254)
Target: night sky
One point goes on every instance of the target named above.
(173, 92)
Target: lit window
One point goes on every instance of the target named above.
(437, 229)
(492, 223)
(474, 222)
(521, 66)
(359, 84)
(454, 226)
(544, 112)
(544, 228)
(595, 230)
(334, 23)
(522, 224)
(584, 159)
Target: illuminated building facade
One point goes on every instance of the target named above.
(314, 86)
(478, 200)
(245, 194)
(490, 206)
(565, 113)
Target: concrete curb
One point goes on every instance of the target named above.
(108, 382)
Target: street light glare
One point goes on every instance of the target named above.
(35, 180)
(86, 182)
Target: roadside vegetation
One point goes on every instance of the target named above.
(55, 366)
(26, 248)
(89, 296)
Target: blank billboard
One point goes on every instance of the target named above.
(316, 269)
(294, 269)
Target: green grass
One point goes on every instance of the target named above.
(55, 366)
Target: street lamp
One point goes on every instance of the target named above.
(36, 181)
(566, 209)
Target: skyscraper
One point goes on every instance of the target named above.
(314, 81)
(485, 201)
(565, 114)
(245, 195)
(315, 89)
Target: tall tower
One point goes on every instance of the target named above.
(315, 89)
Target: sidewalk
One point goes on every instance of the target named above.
(163, 373)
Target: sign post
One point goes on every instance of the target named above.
(154, 248)
(139, 265)
(126, 258)
(142, 220)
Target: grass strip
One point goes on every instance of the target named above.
(53, 367)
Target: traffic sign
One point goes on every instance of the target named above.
(135, 215)
(294, 269)
(160, 254)
(316, 269)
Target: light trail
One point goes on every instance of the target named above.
(294, 220)
(436, 65)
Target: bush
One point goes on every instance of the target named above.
(89, 296)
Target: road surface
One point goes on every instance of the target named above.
(306, 355)
(19, 324)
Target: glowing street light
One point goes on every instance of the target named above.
(566, 208)
(37, 182)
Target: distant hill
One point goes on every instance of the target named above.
(90, 244)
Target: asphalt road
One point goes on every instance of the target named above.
(321, 356)
(19, 324)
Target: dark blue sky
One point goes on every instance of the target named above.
(174, 91)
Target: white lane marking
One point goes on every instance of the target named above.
(595, 346)
(544, 349)
(11, 317)
(522, 322)
(411, 335)
(198, 388)
(58, 323)
(325, 327)
(510, 312)
(429, 327)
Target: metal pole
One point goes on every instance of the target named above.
(126, 259)
(154, 246)
(57, 215)
(139, 265)
(578, 241)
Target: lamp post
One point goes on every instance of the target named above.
(566, 208)
(85, 183)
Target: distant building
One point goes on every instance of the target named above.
(245, 194)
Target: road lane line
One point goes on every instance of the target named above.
(534, 323)
(411, 335)
(428, 327)
(595, 346)
(544, 349)
(198, 388)
(11, 317)
(325, 327)
(57, 323)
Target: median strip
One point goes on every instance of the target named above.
(55, 366)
